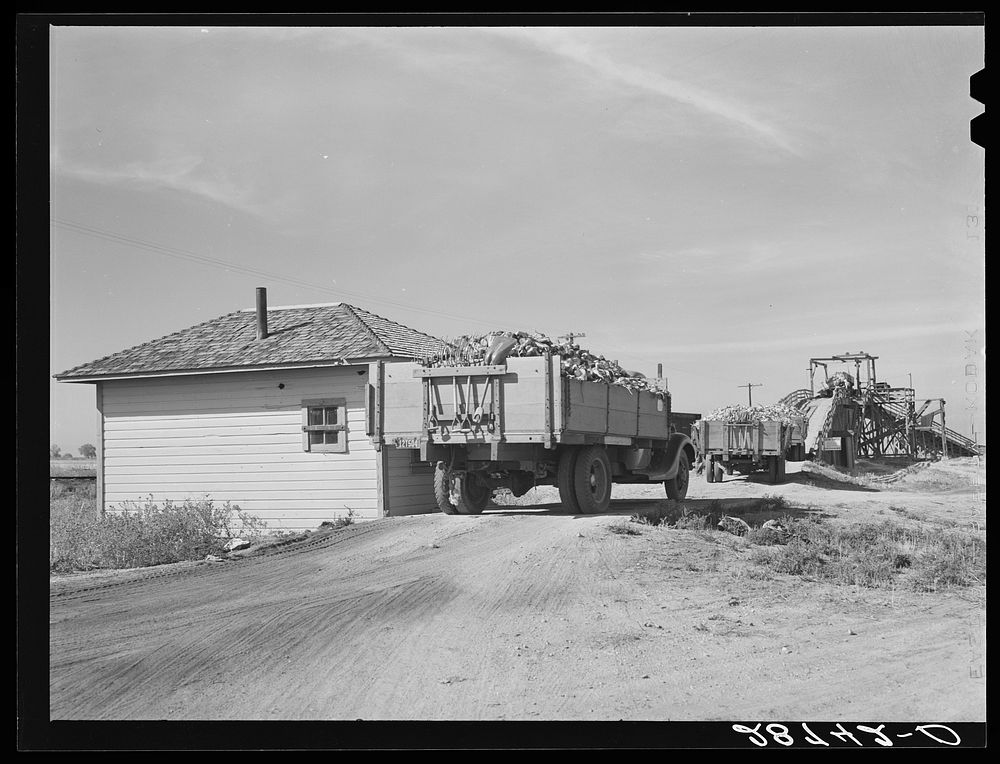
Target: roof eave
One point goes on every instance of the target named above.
(338, 363)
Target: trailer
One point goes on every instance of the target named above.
(796, 450)
(725, 447)
(520, 423)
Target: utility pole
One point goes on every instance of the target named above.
(911, 379)
(748, 386)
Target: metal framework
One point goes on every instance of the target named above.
(889, 422)
(857, 358)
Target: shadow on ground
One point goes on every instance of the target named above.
(818, 480)
(753, 510)
(802, 478)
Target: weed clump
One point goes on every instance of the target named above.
(692, 523)
(341, 521)
(771, 503)
(625, 530)
(137, 535)
(796, 558)
(875, 554)
(664, 513)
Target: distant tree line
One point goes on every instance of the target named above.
(87, 451)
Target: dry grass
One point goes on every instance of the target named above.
(889, 552)
(139, 534)
(624, 529)
(878, 554)
(676, 514)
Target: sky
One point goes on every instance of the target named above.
(726, 201)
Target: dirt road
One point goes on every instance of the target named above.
(521, 613)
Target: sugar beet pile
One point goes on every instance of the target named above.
(737, 414)
(576, 362)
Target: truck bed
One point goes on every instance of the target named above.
(753, 440)
(524, 401)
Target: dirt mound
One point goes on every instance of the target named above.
(966, 473)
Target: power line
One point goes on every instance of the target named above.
(213, 262)
(194, 257)
(748, 386)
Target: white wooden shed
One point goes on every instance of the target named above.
(266, 408)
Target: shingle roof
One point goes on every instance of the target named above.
(296, 335)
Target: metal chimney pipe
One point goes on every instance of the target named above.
(261, 313)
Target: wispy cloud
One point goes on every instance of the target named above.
(849, 336)
(673, 255)
(564, 44)
(748, 258)
(186, 174)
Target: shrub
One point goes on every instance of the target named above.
(138, 535)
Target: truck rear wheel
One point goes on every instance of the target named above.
(677, 486)
(459, 492)
(592, 480)
(709, 470)
(776, 469)
(442, 489)
(469, 494)
(565, 476)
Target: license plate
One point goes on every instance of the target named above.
(406, 442)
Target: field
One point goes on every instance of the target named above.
(872, 608)
(72, 467)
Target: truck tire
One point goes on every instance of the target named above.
(442, 489)
(721, 472)
(781, 469)
(709, 470)
(469, 495)
(772, 469)
(592, 480)
(565, 477)
(459, 492)
(677, 486)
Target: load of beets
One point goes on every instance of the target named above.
(576, 362)
(738, 414)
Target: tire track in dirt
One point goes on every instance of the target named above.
(252, 605)
(461, 661)
(74, 586)
(242, 648)
(507, 615)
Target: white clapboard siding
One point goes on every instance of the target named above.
(237, 438)
(408, 493)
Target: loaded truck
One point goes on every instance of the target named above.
(743, 447)
(517, 423)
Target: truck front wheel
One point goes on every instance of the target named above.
(565, 477)
(592, 480)
(677, 486)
